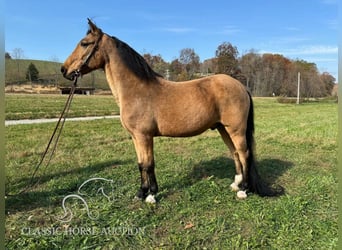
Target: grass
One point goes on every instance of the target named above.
(296, 148)
(21, 106)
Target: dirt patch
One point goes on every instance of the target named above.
(42, 89)
(32, 89)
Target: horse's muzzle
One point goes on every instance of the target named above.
(70, 76)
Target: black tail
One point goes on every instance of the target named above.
(255, 183)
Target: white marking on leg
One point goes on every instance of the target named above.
(150, 199)
(234, 187)
(236, 183)
(238, 179)
(241, 194)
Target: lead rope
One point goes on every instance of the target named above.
(61, 121)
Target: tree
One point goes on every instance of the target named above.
(32, 73)
(176, 70)
(207, 67)
(190, 62)
(18, 53)
(156, 62)
(250, 66)
(276, 74)
(310, 82)
(7, 56)
(328, 82)
(272, 73)
(227, 62)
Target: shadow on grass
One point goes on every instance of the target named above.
(221, 167)
(35, 199)
(224, 168)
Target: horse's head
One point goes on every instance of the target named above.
(86, 57)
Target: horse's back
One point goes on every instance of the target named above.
(228, 93)
(191, 107)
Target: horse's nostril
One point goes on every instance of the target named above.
(63, 70)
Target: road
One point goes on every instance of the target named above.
(37, 121)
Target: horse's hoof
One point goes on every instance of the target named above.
(241, 194)
(234, 187)
(150, 199)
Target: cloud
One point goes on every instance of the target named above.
(288, 40)
(306, 50)
(315, 49)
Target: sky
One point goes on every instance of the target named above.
(297, 29)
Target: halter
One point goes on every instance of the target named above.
(91, 53)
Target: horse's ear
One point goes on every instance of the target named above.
(92, 27)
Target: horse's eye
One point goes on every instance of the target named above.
(84, 44)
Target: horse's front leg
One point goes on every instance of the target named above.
(144, 149)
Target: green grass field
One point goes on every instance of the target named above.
(296, 148)
(21, 106)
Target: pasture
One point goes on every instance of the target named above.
(296, 148)
(35, 106)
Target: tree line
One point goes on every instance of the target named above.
(263, 74)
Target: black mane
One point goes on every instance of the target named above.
(135, 62)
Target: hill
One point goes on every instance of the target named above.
(49, 74)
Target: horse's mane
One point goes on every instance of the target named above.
(135, 62)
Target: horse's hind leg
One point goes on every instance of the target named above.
(144, 149)
(238, 167)
(241, 153)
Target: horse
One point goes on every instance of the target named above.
(151, 106)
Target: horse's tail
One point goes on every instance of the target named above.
(255, 183)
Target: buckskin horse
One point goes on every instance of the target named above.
(152, 106)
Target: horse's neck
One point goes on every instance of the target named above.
(124, 84)
(121, 81)
(112, 83)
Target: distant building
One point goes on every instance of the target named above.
(78, 90)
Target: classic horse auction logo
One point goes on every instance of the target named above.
(68, 214)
